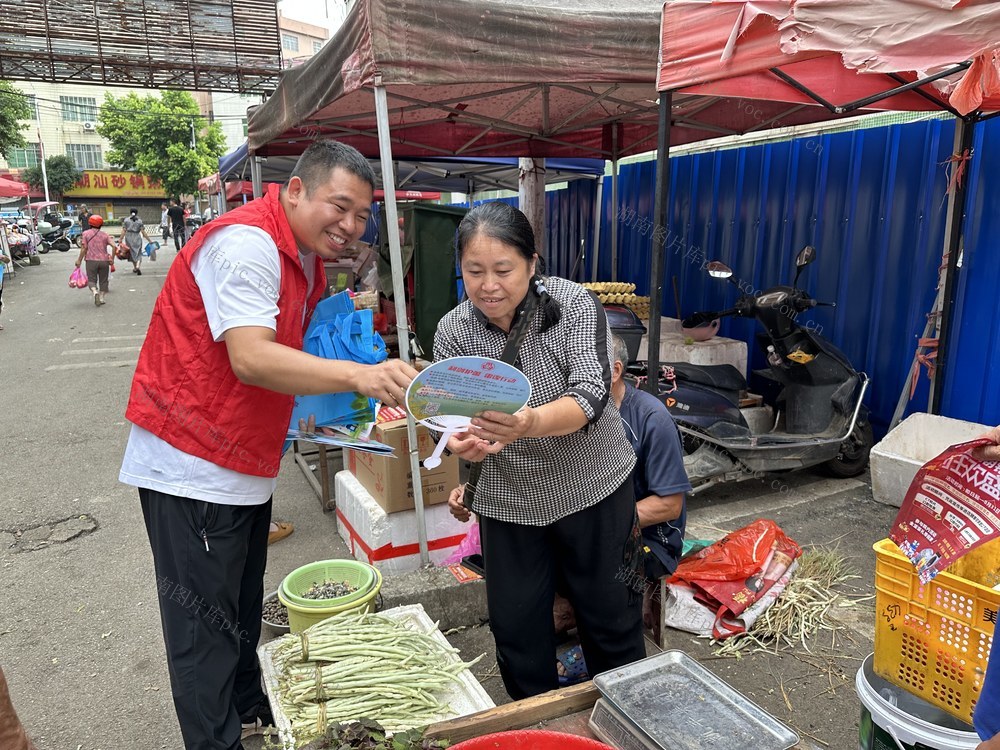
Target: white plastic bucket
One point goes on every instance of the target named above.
(894, 719)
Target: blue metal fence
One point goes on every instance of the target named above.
(873, 204)
(972, 380)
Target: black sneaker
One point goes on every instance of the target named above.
(138, 271)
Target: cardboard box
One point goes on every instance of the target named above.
(389, 541)
(388, 478)
(345, 272)
(339, 276)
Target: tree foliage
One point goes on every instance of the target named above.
(14, 107)
(61, 171)
(152, 135)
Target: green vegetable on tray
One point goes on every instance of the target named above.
(362, 735)
(363, 666)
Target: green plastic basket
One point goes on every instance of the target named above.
(358, 574)
(300, 618)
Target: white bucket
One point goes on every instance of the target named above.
(894, 719)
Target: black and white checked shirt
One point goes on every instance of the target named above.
(536, 481)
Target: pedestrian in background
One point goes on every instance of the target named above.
(96, 248)
(164, 222)
(176, 215)
(82, 216)
(134, 233)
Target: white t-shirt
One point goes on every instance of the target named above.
(238, 271)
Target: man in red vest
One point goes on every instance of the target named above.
(210, 405)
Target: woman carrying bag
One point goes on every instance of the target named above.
(95, 249)
(134, 232)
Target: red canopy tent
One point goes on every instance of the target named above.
(731, 67)
(13, 189)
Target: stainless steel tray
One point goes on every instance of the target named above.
(680, 705)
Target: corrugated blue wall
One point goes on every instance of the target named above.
(972, 381)
(872, 202)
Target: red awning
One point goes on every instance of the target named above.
(13, 189)
(841, 50)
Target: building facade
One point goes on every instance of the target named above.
(299, 40)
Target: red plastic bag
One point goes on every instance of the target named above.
(78, 279)
(736, 571)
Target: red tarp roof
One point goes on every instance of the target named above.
(12, 188)
(476, 78)
(842, 50)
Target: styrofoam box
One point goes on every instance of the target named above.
(463, 697)
(389, 540)
(914, 441)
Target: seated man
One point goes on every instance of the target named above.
(659, 479)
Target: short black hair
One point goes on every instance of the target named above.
(499, 221)
(322, 157)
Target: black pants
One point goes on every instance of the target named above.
(178, 237)
(210, 609)
(584, 553)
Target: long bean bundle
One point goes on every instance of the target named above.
(355, 666)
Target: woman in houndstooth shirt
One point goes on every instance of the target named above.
(555, 499)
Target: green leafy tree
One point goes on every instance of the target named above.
(14, 107)
(153, 135)
(61, 171)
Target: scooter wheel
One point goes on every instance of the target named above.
(62, 246)
(852, 458)
(42, 249)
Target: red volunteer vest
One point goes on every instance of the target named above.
(185, 391)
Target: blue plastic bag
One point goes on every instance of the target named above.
(338, 331)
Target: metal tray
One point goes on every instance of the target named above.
(680, 705)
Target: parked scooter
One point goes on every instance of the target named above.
(815, 416)
(52, 233)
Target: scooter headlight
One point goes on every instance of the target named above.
(772, 300)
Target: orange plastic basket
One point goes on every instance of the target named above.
(934, 639)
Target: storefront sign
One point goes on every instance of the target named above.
(107, 184)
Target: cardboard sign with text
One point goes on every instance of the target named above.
(951, 507)
(388, 479)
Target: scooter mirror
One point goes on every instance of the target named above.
(719, 270)
(806, 256)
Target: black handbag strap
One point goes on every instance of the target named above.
(517, 333)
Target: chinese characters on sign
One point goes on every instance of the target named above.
(110, 184)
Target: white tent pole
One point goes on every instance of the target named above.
(614, 202)
(398, 295)
(595, 252)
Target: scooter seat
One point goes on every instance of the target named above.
(724, 377)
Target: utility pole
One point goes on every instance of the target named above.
(41, 150)
(194, 146)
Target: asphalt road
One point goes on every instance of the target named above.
(80, 638)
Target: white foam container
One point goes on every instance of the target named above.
(389, 541)
(920, 437)
(464, 697)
